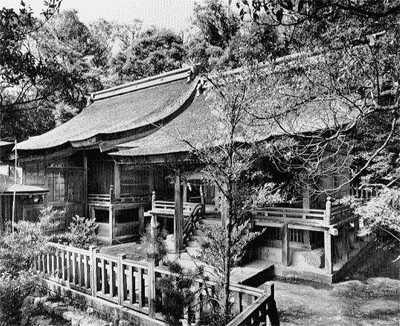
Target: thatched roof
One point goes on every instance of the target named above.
(199, 126)
(121, 112)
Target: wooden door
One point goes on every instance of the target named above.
(75, 193)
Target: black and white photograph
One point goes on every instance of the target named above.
(200, 162)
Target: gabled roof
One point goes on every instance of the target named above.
(121, 112)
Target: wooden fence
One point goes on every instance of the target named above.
(132, 284)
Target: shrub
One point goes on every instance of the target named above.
(154, 246)
(178, 291)
(13, 291)
(82, 232)
(18, 249)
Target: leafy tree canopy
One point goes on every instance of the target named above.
(26, 80)
(223, 41)
(154, 52)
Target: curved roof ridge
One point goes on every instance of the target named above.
(121, 116)
(166, 77)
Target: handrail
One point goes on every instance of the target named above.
(106, 198)
(306, 216)
(168, 207)
(125, 282)
(190, 223)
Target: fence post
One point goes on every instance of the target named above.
(285, 245)
(152, 288)
(121, 279)
(93, 271)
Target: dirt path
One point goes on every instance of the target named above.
(351, 303)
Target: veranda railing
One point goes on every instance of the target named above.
(132, 284)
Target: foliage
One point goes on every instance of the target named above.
(19, 249)
(177, 291)
(28, 81)
(153, 244)
(228, 146)
(381, 216)
(216, 22)
(213, 246)
(153, 52)
(78, 53)
(82, 232)
(13, 291)
(222, 41)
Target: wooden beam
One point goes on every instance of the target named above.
(356, 228)
(117, 180)
(184, 196)
(328, 252)
(178, 217)
(85, 183)
(306, 206)
(285, 245)
(111, 220)
(346, 242)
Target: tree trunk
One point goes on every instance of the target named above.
(227, 276)
(227, 271)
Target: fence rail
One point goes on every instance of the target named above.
(129, 283)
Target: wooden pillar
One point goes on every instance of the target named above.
(117, 180)
(151, 179)
(178, 218)
(328, 209)
(152, 288)
(328, 252)
(202, 196)
(356, 228)
(121, 278)
(85, 183)
(306, 206)
(93, 269)
(153, 224)
(184, 195)
(141, 220)
(153, 199)
(346, 242)
(285, 245)
(111, 223)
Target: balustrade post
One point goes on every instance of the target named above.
(153, 201)
(328, 210)
(112, 194)
(285, 245)
(93, 270)
(328, 252)
(152, 288)
(121, 279)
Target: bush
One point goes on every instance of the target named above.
(19, 249)
(13, 291)
(178, 289)
(82, 232)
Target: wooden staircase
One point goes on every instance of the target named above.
(191, 222)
